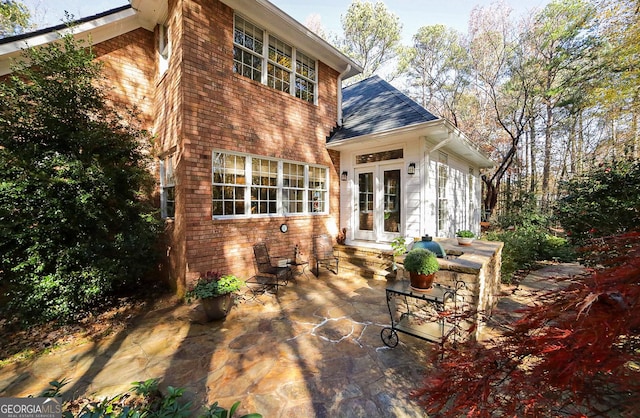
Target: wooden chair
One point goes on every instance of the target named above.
(268, 275)
(323, 253)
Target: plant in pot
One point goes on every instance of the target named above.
(422, 266)
(215, 292)
(399, 247)
(465, 237)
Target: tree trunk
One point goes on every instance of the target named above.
(532, 150)
(548, 146)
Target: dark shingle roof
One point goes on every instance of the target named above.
(372, 106)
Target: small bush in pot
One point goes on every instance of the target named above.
(465, 237)
(215, 291)
(422, 265)
(465, 233)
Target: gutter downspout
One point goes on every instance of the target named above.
(339, 93)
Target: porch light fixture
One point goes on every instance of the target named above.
(344, 176)
(412, 168)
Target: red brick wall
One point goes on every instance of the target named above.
(223, 110)
(129, 67)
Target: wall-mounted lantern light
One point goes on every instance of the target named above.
(412, 168)
(344, 176)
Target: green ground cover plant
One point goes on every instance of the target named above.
(143, 400)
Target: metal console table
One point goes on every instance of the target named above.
(417, 313)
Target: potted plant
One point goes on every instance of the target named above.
(399, 247)
(465, 237)
(422, 266)
(215, 293)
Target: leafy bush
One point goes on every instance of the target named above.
(75, 224)
(465, 233)
(213, 284)
(144, 400)
(602, 202)
(422, 261)
(572, 353)
(526, 240)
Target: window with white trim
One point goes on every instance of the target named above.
(443, 179)
(163, 48)
(229, 184)
(471, 178)
(276, 186)
(264, 186)
(287, 69)
(293, 187)
(167, 187)
(317, 189)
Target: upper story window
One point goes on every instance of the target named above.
(287, 69)
(163, 48)
(275, 186)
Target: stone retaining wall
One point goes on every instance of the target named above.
(478, 267)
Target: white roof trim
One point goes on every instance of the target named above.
(99, 30)
(441, 133)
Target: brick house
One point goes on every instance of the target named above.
(245, 104)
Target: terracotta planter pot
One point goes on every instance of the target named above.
(421, 281)
(217, 307)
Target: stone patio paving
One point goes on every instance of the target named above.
(312, 351)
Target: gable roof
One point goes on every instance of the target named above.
(376, 111)
(373, 106)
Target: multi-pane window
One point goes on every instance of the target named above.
(248, 41)
(317, 189)
(264, 186)
(167, 187)
(443, 178)
(229, 184)
(305, 77)
(472, 191)
(293, 186)
(279, 65)
(287, 69)
(275, 186)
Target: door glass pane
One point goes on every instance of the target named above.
(365, 201)
(392, 201)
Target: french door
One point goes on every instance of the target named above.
(378, 195)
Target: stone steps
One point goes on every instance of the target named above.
(368, 263)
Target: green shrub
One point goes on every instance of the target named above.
(602, 202)
(421, 261)
(76, 221)
(143, 400)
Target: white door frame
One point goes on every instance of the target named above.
(374, 218)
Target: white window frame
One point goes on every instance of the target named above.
(443, 184)
(167, 186)
(294, 75)
(307, 191)
(164, 48)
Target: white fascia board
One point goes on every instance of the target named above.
(276, 21)
(439, 132)
(98, 30)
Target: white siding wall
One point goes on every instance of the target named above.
(420, 191)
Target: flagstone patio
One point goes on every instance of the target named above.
(314, 350)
